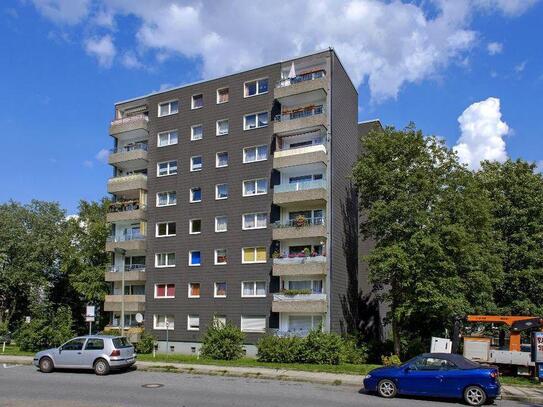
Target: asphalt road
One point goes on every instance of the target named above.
(25, 386)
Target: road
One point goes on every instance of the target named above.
(25, 386)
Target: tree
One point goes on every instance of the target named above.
(435, 252)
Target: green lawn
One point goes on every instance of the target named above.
(14, 351)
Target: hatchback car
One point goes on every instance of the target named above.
(100, 353)
(437, 375)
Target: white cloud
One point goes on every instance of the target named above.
(102, 155)
(519, 68)
(101, 48)
(63, 11)
(494, 48)
(482, 131)
(130, 60)
(511, 8)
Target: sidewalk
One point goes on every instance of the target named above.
(519, 393)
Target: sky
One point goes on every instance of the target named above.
(469, 71)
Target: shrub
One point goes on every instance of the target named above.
(390, 360)
(47, 328)
(4, 330)
(279, 350)
(322, 348)
(145, 344)
(354, 352)
(223, 342)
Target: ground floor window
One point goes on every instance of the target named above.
(253, 324)
(301, 323)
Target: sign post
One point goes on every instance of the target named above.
(89, 316)
(537, 353)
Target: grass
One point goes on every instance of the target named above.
(519, 381)
(14, 350)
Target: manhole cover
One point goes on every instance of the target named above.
(152, 385)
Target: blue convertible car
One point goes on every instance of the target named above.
(437, 375)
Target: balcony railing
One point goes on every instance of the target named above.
(308, 76)
(300, 222)
(129, 119)
(126, 238)
(130, 147)
(299, 297)
(125, 206)
(299, 259)
(127, 268)
(300, 186)
(300, 113)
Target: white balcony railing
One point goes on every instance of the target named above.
(308, 76)
(126, 238)
(127, 268)
(300, 222)
(130, 147)
(300, 186)
(299, 259)
(300, 113)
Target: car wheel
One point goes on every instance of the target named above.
(474, 396)
(101, 367)
(46, 365)
(387, 389)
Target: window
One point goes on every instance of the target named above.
(253, 289)
(134, 289)
(254, 154)
(167, 138)
(254, 221)
(221, 191)
(220, 256)
(164, 290)
(221, 223)
(166, 198)
(195, 258)
(94, 344)
(255, 120)
(257, 87)
(195, 226)
(253, 324)
(194, 290)
(219, 320)
(315, 286)
(221, 159)
(166, 168)
(196, 132)
(193, 322)
(430, 363)
(222, 95)
(163, 322)
(74, 344)
(196, 163)
(196, 194)
(165, 260)
(197, 101)
(164, 229)
(222, 127)
(168, 108)
(220, 290)
(304, 323)
(254, 255)
(255, 187)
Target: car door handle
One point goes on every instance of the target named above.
(440, 378)
(79, 353)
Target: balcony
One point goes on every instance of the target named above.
(126, 210)
(306, 82)
(300, 118)
(299, 228)
(131, 273)
(130, 242)
(299, 266)
(300, 156)
(127, 184)
(300, 303)
(135, 153)
(308, 192)
(132, 303)
(137, 123)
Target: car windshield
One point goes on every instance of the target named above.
(121, 342)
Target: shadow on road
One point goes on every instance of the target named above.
(113, 372)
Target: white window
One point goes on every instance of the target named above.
(195, 226)
(196, 163)
(220, 257)
(167, 138)
(164, 290)
(221, 159)
(196, 194)
(196, 132)
(255, 187)
(254, 154)
(168, 108)
(253, 289)
(222, 127)
(220, 290)
(253, 324)
(164, 260)
(254, 255)
(223, 95)
(255, 120)
(256, 87)
(197, 101)
(167, 198)
(164, 229)
(193, 322)
(219, 320)
(221, 223)
(166, 168)
(194, 290)
(163, 322)
(195, 258)
(221, 191)
(254, 221)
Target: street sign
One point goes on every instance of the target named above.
(89, 319)
(90, 311)
(538, 347)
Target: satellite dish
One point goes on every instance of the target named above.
(139, 318)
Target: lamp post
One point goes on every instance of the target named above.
(167, 337)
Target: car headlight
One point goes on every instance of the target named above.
(368, 376)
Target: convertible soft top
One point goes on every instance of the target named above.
(460, 361)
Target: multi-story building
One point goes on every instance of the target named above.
(233, 203)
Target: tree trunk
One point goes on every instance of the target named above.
(395, 325)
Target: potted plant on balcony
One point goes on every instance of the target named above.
(292, 293)
(300, 221)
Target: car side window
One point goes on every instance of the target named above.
(74, 344)
(94, 344)
(433, 364)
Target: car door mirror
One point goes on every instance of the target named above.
(60, 349)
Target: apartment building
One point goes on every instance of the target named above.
(232, 202)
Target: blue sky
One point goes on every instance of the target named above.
(65, 62)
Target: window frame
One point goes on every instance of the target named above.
(215, 295)
(168, 132)
(217, 95)
(217, 197)
(217, 133)
(191, 232)
(245, 128)
(169, 102)
(215, 257)
(167, 256)
(192, 169)
(169, 162)
(217, 159)
(255, 214)
(255, 295)
(253, 317)
(255, 253)
(192, 127)
(192, 107)
(167, 223)
(165, 291)
(188, 322)
(256, 154)
(257, 80)
(166, 328)
(216, 223)
(168, 199)
(189, 295)
(255, 180)
(190, 258)
(190, 194)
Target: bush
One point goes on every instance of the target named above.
(47, 329)
(390, 360)
(279, 350)
(353, 352)
(145, 344)
(223, 342)
(4, 330)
